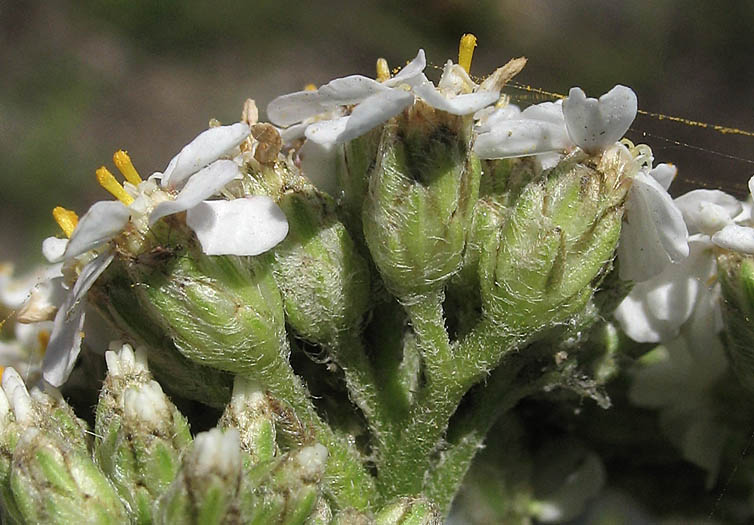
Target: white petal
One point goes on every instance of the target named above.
(292, 133)
(318, 164)
(409, 71)
(736, 238)
(349, 90)
(294, 107)
(519, 138)
(65, 340)
(490, 116)
(103, 221)
(466, 104)
(374, 111)
(664, 174)
(697, 216)
(596, 124)
(455, 80)
(638, 323)
(205, 149)
(655, 309)
(200, 186)
(53, 248)
(248, 226)
(545, 111)
(654, 234)
(327, 131)
(751, 186)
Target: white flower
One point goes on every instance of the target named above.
(656, 309)
(654, 234)
(246, 226)
(592, 125)
(321, 113)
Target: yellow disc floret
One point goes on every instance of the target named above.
(310, 87)
(107, 181)
(66, 219)
(125, 166)
(383, 70)
(466, 51)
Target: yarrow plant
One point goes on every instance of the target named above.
(324, 318)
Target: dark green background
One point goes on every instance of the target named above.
(79, 80)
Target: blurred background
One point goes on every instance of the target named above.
(81, 79)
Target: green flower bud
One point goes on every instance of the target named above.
(141, 434)
(298, 480)
(285, 490)
(54, 482)
(541, 266)
(421, 195)
(500, 185)
(206, 489)
(321, 276)
(251, 413)
(45, 411)
(222, 311)
(113, 295)
(736, 273)
(409, 511)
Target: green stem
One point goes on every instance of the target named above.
(450, 374)
(350, 354)
(500, 394)
(347, 481)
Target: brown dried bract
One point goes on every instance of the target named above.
(269, 144)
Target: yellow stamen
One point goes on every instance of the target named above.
(2, 369)
(383, 70)
(43, 337)
(66, 219)
(466, 51)
(107, 181)
(310, 87)
(125, 166)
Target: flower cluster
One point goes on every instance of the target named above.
(447, 251)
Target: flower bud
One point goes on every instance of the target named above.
(421, 194)
(54, 482)
(736, 273)
(141, 434)
(222, 311)
(114, 297)
(321, 276)
(206, 489)
(542, 265)
(250, 412)
(405, 511)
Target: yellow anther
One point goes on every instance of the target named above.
(125, 166)
(310, 87)
(383, 70)
(66, 219)
(107, 181)
(2, 369)
(43, 338)
(466, 51)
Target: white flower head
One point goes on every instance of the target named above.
(237, 227)
(371, 103)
